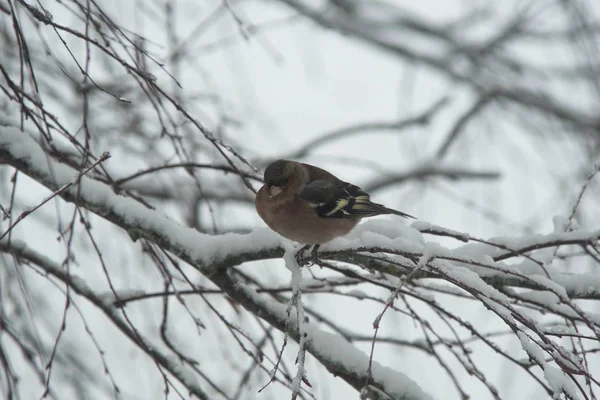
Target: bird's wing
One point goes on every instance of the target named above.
(333, 198)
(339, 200)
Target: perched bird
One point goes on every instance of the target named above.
(311, 206)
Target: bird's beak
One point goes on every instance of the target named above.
(275, 190)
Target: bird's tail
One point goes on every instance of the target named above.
(366, 207)
(396, 212)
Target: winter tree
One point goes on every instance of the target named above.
(133, 137)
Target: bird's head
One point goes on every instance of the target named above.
(277, 175)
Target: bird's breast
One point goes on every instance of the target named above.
(296, 220)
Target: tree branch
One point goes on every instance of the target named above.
(367, 127)
(429, 171)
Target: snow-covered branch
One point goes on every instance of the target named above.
(211, 255)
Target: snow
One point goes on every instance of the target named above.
(532, 349)
(561, 283)
(556, 378)
(578, 284)
(391, 228)
(467, 278)
(394, 383)
(498, 308)
(477, 251)
(517, 244)
(296, 300)
(552, 302)
(424, 226)
(58, 143)
(543, 297)
(555, 287)
(421, 225)
(559, 330)
(559, 381)
(431, 251)
(385, 234)
(373, 240)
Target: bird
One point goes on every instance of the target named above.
(311, 206)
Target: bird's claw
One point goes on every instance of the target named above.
(300, 258)
(311, 260)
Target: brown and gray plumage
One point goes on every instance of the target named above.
(309, 205)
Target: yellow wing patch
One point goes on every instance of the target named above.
(339, 205)
(362, 203)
